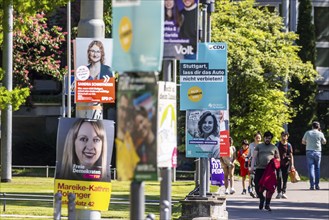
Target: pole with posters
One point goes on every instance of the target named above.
(204, 161)
(91, 25)
(165, 172)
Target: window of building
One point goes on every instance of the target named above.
(321, 18)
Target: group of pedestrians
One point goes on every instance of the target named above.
(268, 165)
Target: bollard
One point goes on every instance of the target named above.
(4, 202)
(165, 207)
(58, 206)
(150, 216)
(71, 206)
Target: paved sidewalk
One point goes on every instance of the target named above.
(302, 203)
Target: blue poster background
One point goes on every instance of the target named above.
(138, 28)
(204, 82)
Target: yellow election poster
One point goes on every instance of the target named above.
(89, 195)
(83, 162)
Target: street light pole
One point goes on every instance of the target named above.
(91, 25)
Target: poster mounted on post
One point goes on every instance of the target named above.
(167, 125)
(204, 82)
(83, 166)
(180, 29)
(137, 35)
(136, 142)
(202, 136)
(94, 81)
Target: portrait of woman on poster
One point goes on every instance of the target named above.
(209, 131)
(85, 152)
(143, 136)
(96, 59)
(172, 14)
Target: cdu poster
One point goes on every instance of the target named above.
(137, 35)
(202, 136)
(136, 142)
(180, 29)
(204, 82)
(167, 125)
(83, 167)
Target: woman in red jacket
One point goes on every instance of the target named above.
(244, 172)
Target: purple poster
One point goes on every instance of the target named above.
(180, 29)
(217, 173)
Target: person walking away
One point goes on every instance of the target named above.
(286, 165)
(228, 166)
(313, 140)
(263, 154)
(244, 171)
(257, 140)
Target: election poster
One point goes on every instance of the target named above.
(94, 78)
(137, 35)
(217, 173)
(204, 82)
(136, 141)
(167, 125)
(202, 136)
(180, 29)
(83, 161)
(224, 130)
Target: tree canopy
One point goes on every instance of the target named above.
(24, 9)
(262, 59)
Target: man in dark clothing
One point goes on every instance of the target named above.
(262, 155)
(189, 28)
(287, 161)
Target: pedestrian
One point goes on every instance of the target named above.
(286, 164)
(227, 163)
(252, 145)
(244, 171)
(313, 140)
(263, 154)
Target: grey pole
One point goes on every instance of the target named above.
(6, 116)
(91, 25)
(68, 9)
(285, 12)
(71, 208)
(58, 206)
(137, 200)
(165, 187)
(203, 161)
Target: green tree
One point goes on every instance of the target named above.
(261, 57)
(24, 9)
(305, 103)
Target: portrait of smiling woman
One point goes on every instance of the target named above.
(85, 152)
(209, 131)
(96, 59)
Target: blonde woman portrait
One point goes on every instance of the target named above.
(85, 152)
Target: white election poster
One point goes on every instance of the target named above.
(167, 126)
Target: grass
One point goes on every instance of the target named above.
(45, 186)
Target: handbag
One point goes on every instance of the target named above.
(294, 176)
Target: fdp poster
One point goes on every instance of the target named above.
(180, 29)
(204, 82)
(136, 142)
(137, 35)
(84, 152)
(167, 125)
(202, 136)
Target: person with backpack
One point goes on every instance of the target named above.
(286, 165)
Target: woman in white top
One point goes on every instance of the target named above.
(257, 140)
